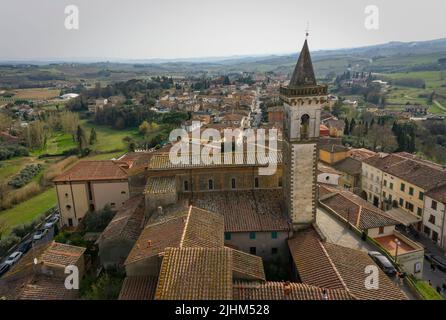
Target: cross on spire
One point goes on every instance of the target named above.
(307, 30)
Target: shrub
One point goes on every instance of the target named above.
(7, 243)
(25, 176)
(8, 151)
(97, 221)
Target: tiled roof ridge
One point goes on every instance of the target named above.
(358, 220)
(183, 236)
(333, 266)
(361, 207)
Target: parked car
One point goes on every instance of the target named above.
(13, 258)
(4, 268)
(439, 262)
(51, 222)
(40, 234)
(25, 246)
(383, 263)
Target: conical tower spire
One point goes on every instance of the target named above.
(303, 74)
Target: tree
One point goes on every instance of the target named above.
(352, 125)
(144, 128)
(347, 127)
(80, 138)
(93, 137)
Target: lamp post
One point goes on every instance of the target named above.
(398, 243)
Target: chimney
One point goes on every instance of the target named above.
(286, 288)
(160, 211)
(324, 295)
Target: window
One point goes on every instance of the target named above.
(186, 185)
(252, 235)
(304, 126)
(434, 236)
(411, 191)
(409, 206)
(274, 251)
(401, 202)
(403, 187)
(66, 195)
(381, 230)
(123, 192)
(113, 204)
(252, 250)
(390, 198)
(70, 222)
(432, 219)
(384, 194)
(227, 236)
(280, 181)
(211, 184)
(256, 182)
(421, 195)
(427, 231)
(233, 184)
(385, 183)
(391, 186)
(68, 207)
(434, 205)
(274, 235)
(419, 212)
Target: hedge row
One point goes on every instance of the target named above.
(25, 176)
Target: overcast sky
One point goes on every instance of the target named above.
(143, 29)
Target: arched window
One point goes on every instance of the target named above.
(211, 184)
(186, 185)
(304, 126)
(233, 183)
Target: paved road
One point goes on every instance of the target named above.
(337, 232)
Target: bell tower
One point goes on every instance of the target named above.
(302, 100)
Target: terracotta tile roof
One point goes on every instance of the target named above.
(361, 154)
(127, 222)
(195, 274)
(330, 266)
(93, 170)
(61, 254)
(351, 264)
(203, 229)
(195, 228)
(358, 211)
(154, 238)
(138, 288)
(247, 266)
(438, 194)
(157, 185)
(243, 290)
(161, 161)
(312, 261)
(424, 174)
(245, 211)
(46, 288)
(349, 165)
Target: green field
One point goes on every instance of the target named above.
(28, 210)
(8, 168)
(109, 139)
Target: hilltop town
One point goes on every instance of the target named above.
(350, 198)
